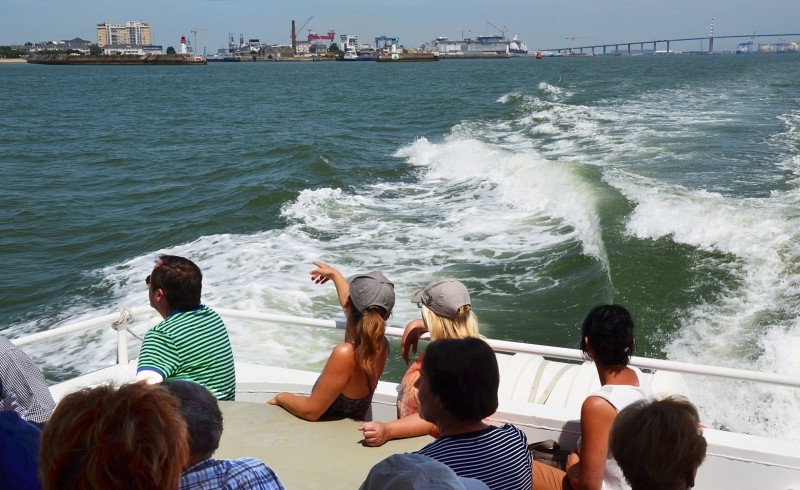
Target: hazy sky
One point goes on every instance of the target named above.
(541, 24)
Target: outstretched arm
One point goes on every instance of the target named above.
(377, 433)
(334, 378)
(324, 273)
(411, 335)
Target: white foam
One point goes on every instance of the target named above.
(496, 192)
(752, 325)
(472, 203)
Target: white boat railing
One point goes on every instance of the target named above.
(120, 320)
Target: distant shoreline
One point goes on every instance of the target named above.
(12, 60)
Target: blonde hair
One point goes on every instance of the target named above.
(463, 324)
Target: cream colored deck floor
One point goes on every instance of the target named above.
(306, 455)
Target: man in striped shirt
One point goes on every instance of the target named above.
(192, 342)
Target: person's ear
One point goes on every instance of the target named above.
(690, 478)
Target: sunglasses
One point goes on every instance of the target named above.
(147, 280)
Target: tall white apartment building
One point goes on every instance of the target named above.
(132, 32)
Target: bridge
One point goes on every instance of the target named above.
(664, 42)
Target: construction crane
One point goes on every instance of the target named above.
(305, 24)
(572, 40)
(503, 31)
(194, 41)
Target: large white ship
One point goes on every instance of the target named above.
(489, 46)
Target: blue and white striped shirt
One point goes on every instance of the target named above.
(497, 456)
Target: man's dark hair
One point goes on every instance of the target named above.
(202, 414)
(181, 281)
(609, 329)
(463, 373)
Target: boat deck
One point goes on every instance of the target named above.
(323, 454)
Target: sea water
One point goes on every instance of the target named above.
(667, 184)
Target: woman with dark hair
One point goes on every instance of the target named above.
(457, 387)
(345, 387)
(607, 340)
(129, 437)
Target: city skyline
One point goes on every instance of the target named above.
(540, 24)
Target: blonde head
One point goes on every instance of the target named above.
(463, 324)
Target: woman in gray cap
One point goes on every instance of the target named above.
(345, 387)
(446, 314)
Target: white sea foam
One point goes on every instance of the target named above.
(551, 89)
(495, 192)
(473, 202)
(753, 325)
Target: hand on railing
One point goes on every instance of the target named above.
(411, 335)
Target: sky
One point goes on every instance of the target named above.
(541, 24)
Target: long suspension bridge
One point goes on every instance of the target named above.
(607, 48)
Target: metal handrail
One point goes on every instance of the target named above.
(121, 319)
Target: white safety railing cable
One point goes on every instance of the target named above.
(122, 318)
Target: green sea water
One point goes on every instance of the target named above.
(666, 184)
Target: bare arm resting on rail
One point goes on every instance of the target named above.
(333, 380)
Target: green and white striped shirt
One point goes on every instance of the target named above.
(192, 345)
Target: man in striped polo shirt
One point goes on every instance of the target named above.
(192, 342)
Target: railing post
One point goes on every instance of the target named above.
(121, 326)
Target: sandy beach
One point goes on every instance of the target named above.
(12, 60)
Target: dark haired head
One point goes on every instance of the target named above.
(202, 414)
(131, 437)
(658, 444)
(609, 329)
(463, 373)
(180, 279)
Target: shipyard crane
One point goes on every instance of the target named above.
(572, 40)
(503, 31)
(305, 24)
(194, 40)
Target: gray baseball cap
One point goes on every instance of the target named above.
(443, 296)
(418, 472)
(371, 289)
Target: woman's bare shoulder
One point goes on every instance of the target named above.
(343, 349)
